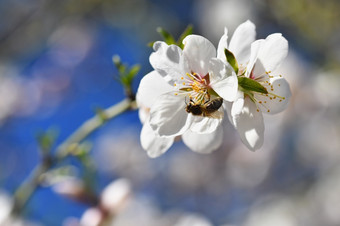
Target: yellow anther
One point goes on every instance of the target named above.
(268, 110)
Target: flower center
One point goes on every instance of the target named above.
(195, 86)
(264, 98)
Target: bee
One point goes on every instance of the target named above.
(208, 109)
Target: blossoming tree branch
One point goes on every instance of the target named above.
(192, 93)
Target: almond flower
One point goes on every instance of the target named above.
(261, 90)
(192, 76)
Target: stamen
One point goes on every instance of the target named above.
(260, 102)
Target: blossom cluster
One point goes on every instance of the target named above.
(190, 90)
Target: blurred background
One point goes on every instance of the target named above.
(56, 68)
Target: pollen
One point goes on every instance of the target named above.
(175, 84)
(257, 110)
(268, 110)
(196, 87)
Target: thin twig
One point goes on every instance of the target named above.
(29, 186)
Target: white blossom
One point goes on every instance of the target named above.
(190, 76)
(257, 60)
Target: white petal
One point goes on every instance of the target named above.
(272, 52)
(168, 116)
(203, 143)
(228, 106)
(153, 144)
(169, 62)
(150, 87)
(223, 79)
(222, 44)
(198, 50)
(238, 104)
(241, 41)
(255, 48)
(277, 99)
(250, 126)
(204, 125)
(143, 114)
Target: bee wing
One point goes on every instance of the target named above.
(217, 114)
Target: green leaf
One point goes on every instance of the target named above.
(168, 38)
(231, 59)
(46, 139)
(188, 31)
(150, 44)
(248, 84)
(117, 62)
(133, 71)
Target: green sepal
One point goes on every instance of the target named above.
(247, 84)
(231, 59)
(168, 38)
(212, 92)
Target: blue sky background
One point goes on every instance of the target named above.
(60, 54)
